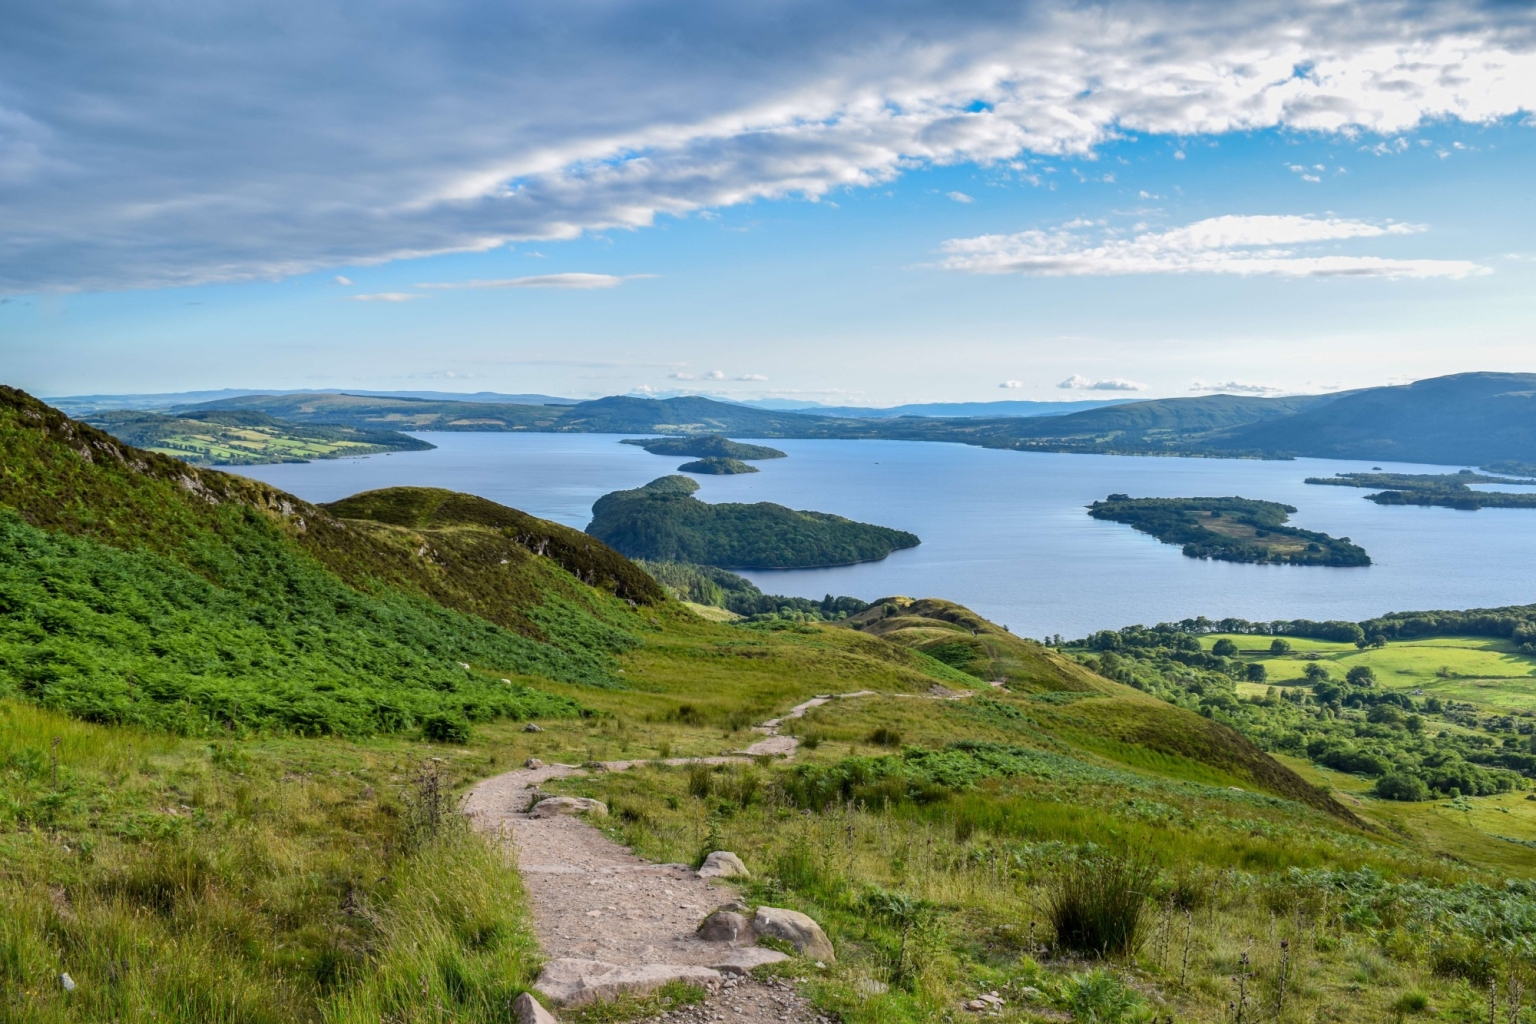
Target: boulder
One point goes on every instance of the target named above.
(528, 1010)
(533, 727)
(533, 762)
(721, 864)
(796, 929)
(727, 926)
(551, 806)
(744, 961)
(571, 982)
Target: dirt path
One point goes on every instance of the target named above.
(596, 904)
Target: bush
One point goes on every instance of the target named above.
(1224, 648)
(1098, 907)
(1256, 673)
(441, 727)
(1278, 646)
(1402, 786)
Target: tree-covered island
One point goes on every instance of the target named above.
(1445, 490)
(664, 522)
(1230, 530)
(717, 467)
(708, 446)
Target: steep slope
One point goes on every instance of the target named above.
(1465, 418)
(137, 588)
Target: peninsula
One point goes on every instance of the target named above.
(1446, 490)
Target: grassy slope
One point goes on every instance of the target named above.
(246, 438)
(289, 889)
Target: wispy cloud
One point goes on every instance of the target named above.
(1076, 382)
(1011, 384)
(490, 122)
(961, 197)
(387, 297)
(344, 281)
(575, 280)
(1245, 245)
(1233, 387)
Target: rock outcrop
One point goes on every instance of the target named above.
(571, 982)
(722, 864)
(796, 929)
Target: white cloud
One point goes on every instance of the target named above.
(347, 281)
(1076, 382)
(1233, 387)
(752, 376)
(544, 281)
(387, 297)
(961, 197)
(1245, 245)
(1011, 384)
(181, 142)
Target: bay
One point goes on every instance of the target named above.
(1005, 533)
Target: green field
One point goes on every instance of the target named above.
(1482, 671)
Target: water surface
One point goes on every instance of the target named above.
(1006, 532)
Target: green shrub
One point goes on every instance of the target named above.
(883, 737)
(1098, 997)
(1098, 907)
(439, 727)
(1411, 1002)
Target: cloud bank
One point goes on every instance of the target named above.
(1248, 245)
(182, 142)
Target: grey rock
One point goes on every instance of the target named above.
(722, 864)
(533, 762)
(532, 727)
(727, 926)
(571, 982)
(744, 961)
(796, 929)
(551, 806)
(67, 982)
(528, 1010)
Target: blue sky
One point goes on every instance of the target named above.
(772, 217)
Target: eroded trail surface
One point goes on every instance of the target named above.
(593, 900)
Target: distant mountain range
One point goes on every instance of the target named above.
(79, 405)
(1464, 419)
(944, 409)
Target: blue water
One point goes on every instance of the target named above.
(1005, 532)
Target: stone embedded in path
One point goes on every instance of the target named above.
(748, 959)
(722, 864)
(571, 982)
(796, 929)
(551, 806)
(528, 1010)
(727, 926)
(533, 762)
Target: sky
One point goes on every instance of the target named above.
(842, 202)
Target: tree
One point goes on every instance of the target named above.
(1256, 673)
(1315, 672)
(1224, 648)
(1278, 646)
(1361, 675)
(1399, 785)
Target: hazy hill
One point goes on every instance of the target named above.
(1466, 418)
(239, 437)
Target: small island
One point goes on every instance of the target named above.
(717, 467)
(1230, 530)
(706, 446)
(664, 522)
(1444, 490)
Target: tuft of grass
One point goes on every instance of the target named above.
(1098, 907)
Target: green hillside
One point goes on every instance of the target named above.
(222, 437)
(662, 521)
(233, 728)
